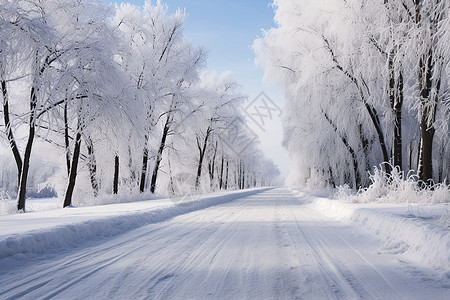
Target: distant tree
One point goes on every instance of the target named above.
(220, 97)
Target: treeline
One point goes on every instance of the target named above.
(367, 84)
(123, 100)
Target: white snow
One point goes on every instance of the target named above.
(41, 231)
(256, 244)
(421, 232)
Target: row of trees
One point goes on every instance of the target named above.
(120, 97)
(367, 83)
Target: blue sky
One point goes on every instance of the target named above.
(227, 29)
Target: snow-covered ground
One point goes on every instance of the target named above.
(48, 230)
(420, 232)
(257, 244)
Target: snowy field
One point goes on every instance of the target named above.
(254, 244)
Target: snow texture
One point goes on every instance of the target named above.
(59, 229)
(257, 244)
(418, 231)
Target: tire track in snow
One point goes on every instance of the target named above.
(334, 269)
(67, 235)
(76, 262)
(264, 246)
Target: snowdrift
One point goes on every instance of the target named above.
(71, 227)
(420, 233)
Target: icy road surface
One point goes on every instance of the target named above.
(265, 246)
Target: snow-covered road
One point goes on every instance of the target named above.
(269, 245)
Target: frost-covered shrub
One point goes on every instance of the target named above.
(7, 205)
(395, 187)
(379, 187)
(440, 194)
(343, 192)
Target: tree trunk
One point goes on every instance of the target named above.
(378, 128)
(92, 166)
(243, 177)
(442, 161)
(133, 181)
(26, 158)
(212, 166)
(352, 152)
(202, 150)
(428, 116)
(398, 144)
(397, 147)
(144, 170)
(239, 174)
(365, 143)
(116, 175)
(172, 183)
(221, 174)
(331, 181)
(396, 101)
(9, 132)
(160, 153)
(426, 164)
(73, 170)
(66, 138)
(410, 158)
(226, 177)
(199, 168)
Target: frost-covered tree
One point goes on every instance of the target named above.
(97, 84)
(162, 66)
(58, 62)
(29, 26)
(219, 97)
(111, 96)
(430, 24)
(349, 69)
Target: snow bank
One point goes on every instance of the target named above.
(403, 229)
(69, 235)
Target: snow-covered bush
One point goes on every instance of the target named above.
(395, 187)
(343, 191)
(440, 194)
(7, 205)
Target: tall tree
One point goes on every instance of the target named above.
(340, 63)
